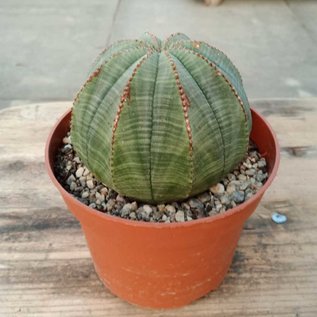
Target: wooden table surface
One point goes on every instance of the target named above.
(45, 266)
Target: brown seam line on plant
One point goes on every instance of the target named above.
(210, 104)
(185, 106)
(217, 50)
(98, 70)
(197, 44)
(90, 78)
(123, 99)
(219, 73)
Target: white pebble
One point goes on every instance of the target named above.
(231, 188)
(104, 191)
(147, 209)
(170, 208)
(180, 216)
(242, 177)
(73, 186)
(90, 184)
(66, 140)
(100, 197)
(134, 206)
(217, 189)
(85, 194)
(79, 172)
(86, 171)
(82, 181)
(262, 163)
(69, 165)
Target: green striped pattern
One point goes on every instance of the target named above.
(133, 128)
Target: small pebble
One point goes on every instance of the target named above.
(250, 172)
(217, 189)
(132, 215)
(231, 177)
(196, 204)
(90, 184)
(279, 218)
(204, 198)
(225, 200)
(85, 194)
(185, 206)
(147, 209)
(126, 210)
(67, 148)
(70, 179)
(104, 191)
(244, 185)
(100, 197)
(73, 186)
(218, 206)
(170, 208)
(180, 216)
(242, 177)
(79, 172)
(231, 188)
(82, 180)
(66, 140)
(238, 197)
(261, 163)
(86, 172)
(134, 206)
(164, 218)
(110, 204)
(120, 199)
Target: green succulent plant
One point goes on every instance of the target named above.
(161, 120)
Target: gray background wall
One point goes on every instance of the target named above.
(47, 46)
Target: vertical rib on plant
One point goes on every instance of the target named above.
(161, 121)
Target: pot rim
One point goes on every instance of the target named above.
(123, 221)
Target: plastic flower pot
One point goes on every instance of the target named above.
(163, 265)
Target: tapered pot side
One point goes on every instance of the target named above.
(164, 265)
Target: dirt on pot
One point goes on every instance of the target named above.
(231, 191)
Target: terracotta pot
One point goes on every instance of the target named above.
(164, 265)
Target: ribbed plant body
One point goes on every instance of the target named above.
(160, 121)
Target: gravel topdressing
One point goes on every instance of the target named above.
(231, 191)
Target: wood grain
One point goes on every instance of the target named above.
(45, 266)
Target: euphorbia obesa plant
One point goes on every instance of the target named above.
(161, 121)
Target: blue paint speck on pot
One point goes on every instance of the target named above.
(279, 218)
